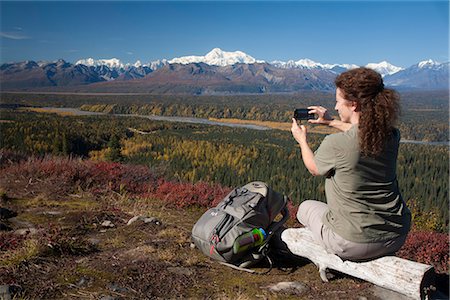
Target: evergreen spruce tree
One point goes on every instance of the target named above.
(65, 145)
(114, 153)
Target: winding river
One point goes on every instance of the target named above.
(78, 112)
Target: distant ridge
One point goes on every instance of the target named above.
(218, 57)
(217, 72)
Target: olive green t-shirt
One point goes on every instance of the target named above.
(364, 201)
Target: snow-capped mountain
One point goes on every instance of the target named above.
(427, 74)
(384, 68)
(428, 64)
(154, 65)
(310, 64)
(231, 72)
(111, 63)
(217, 57)
(301, 64)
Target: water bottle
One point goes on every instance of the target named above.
(249, 240)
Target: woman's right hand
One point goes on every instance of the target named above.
(322, 113)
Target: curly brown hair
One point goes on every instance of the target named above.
(379, 107)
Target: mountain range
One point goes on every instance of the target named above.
(218, 72)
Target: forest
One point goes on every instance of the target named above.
(424, 115)
(225, 155)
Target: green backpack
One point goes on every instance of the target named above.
(253, 206)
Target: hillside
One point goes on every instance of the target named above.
(71, 239)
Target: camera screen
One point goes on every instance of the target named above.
(302, 114)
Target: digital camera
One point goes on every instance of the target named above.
(302, 114)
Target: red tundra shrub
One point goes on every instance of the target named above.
(427, 247)
(182, 194)
(53, 177)
(107, 176)
(56, 177)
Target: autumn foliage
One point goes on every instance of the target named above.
(57, 177)
(183, 194)
(427, 247)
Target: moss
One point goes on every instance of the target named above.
(35, 218)
(98, 279)
(67, 277)
(29, 250)
(115, 242)
(87, 271)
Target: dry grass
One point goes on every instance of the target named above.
(47, 110)
(167, 255)
(70, 204)
(140, 251)
(29, 250)
(193, 260)
(175, 234)
(115, 242)
(234, 296)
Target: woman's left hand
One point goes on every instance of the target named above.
(299, 132)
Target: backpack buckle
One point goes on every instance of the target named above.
(214, 240)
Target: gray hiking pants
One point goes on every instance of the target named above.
(310, 214)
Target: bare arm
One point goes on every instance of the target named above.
(324, 118)
(338, 124)
(299, 134)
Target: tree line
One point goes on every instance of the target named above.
(424, 113)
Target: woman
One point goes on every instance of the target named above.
(365, 216)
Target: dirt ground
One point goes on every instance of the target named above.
(70, 252)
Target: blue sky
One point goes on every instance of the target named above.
(359, 32)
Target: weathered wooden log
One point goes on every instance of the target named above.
(404, 276)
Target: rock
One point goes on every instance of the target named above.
(8, 292)
(107, 223)
(52, 213)
(20, 224)
(115, 288)
(151, 220)
(103, 297)
(94, 241)
(23, 231)
(288, 287)
(82, 260)
(83, 281)
(133, 219)
(6, 214)
(383, 293)
(192, 245)
(144, 219)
